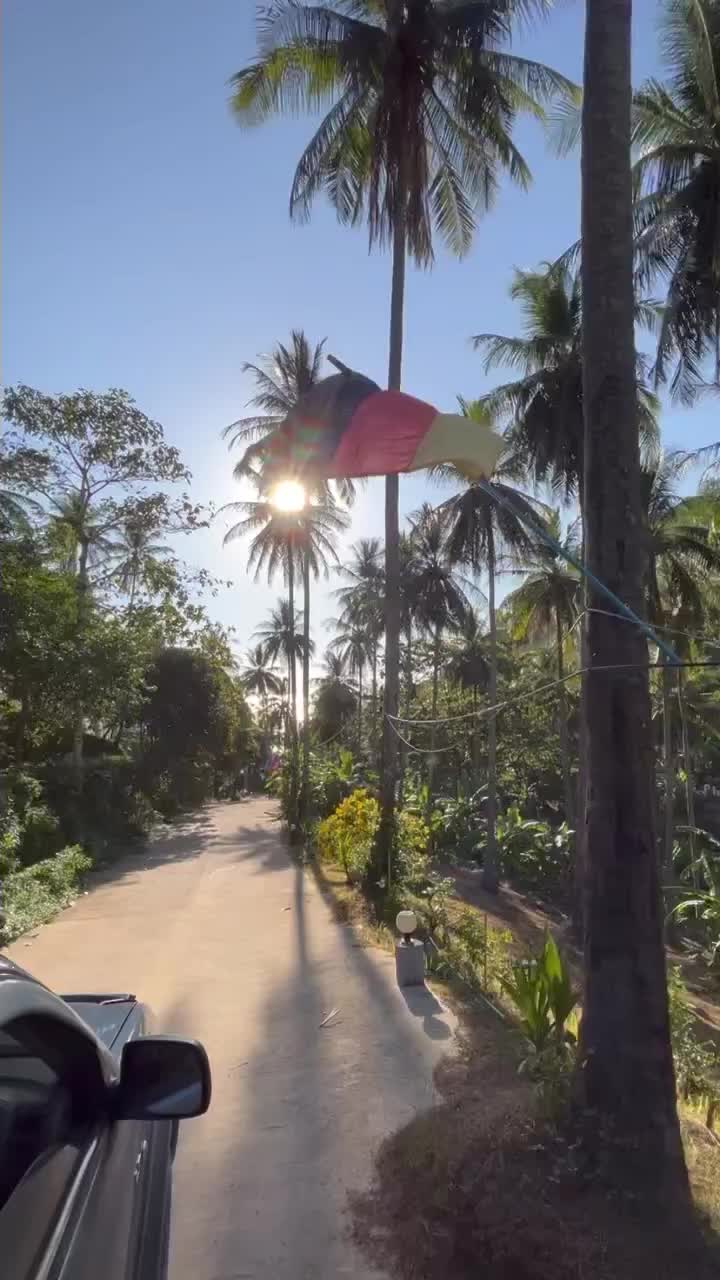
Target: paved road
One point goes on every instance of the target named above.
(230, 942)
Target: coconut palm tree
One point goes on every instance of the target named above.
(486, 522)
(336, 699)
(280, 639)
(468, 666)
(544, 406)
(545, 606)
(354, 645)
(289, 542)
(626, 1075)
(362, 600)
(136, 558)
(280, 379)
(421, 101)
(258, 677)
(676, 126)
(682, 568)
(440, 600)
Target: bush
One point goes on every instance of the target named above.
(41, 835)
(33, 895)
(697, 1062)
(9, 840)
(347, 836)
(532, 854)
(412, 862)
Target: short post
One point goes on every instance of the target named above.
(409, 952)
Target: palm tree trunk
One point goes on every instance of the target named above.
(563, 718)
(689, 777)
(392, 546)
(360, 705)
(475, 748)
(374, 695)
(433, 713)
(490, 878)
(669, 778)
(292, 668)
(79, 715)
(406, 701)
(625, 1076)
(306, 686)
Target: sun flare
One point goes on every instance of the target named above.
(288, 495)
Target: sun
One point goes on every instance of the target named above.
(288, 495)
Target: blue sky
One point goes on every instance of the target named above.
(147, 243)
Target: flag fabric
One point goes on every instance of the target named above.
(346, 426)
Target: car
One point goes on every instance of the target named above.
(90, 1104)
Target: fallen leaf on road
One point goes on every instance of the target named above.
(287, 908)
(332, 1014)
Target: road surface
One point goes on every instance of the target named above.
(230, 942)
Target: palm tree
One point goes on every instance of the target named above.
(280, 640)
(467, 665)
(137, 558)
(546, 605)
(683, 562)
(422, 101)
(545, 405)
(354, 645)
(485, 523)
(280, 379)
(439, 598)
(289, 542)
(336, 700)
(258, 677)
(363, 602)
(676, 125)
(626, 1074)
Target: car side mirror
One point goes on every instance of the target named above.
(162, 1078)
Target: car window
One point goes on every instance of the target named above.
(37, 1113)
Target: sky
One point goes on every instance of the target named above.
(147, 243)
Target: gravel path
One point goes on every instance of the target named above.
(228, 941)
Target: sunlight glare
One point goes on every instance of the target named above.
(289, 495)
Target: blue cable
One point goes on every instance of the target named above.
(559, 550)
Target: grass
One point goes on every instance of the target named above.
(349, 905)
(34, 895)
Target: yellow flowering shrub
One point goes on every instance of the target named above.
(346, 837)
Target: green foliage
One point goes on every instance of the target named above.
(532, 854)
(697, 1062)
(542, 992)
(346, 837)
(478, 952)
(332, 778)
(33, 895)
(412, 859)
(459, 825)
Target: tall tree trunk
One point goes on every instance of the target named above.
(563, 719)
(360, 705)
(579, 845)
(392, 548)
(374, 697)
(490, 877)
(625, 1076)
(689, 778)
(433, 713)
(305, 790)
(475, 739)
(82, 585)
(407, 700)
(669, 777)
(292, 667)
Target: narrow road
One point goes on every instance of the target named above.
(229, 941)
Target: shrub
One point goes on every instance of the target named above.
(9, 840)
(697, 1062)
(33, 895)
(532, 854)
(41, 835)
(347, 836)
(542, 992)
(478, 952)
(412, 862)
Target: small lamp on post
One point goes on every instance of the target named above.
(409, 952)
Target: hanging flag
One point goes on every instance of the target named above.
(347, 426)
